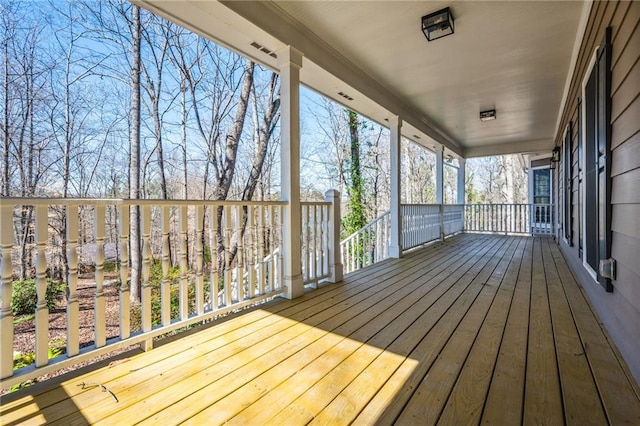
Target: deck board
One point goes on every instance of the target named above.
(467, 398)
(480, 328)
(542, 395)
(579, 392)
(503, 404)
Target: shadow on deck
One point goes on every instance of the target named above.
(477, 329)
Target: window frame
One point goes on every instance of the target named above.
(567, 189)
(596, 188)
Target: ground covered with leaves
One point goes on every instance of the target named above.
(25, 331)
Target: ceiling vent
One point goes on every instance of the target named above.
(344, 95)
(488, 115)
(264, 49)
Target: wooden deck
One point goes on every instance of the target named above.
(478, 329)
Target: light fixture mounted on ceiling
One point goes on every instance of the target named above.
(437, 24)
(488, 115)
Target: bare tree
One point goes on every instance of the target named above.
(158, 36)
(134, 160)
(262, 135)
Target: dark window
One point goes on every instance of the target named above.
(580, 177)
(541, 186)
(597, 147)
(567, 221)
(542, 195)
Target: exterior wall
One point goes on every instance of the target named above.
(619, 310)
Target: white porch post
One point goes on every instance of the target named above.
(290, 62)
(335, 257)
(440, 186)
(461, 180)
(395, 248)
(439, 174)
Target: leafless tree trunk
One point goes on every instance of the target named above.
(6, 186)
(134, 160)
(183, 137)
(263, 133)
(154, 90)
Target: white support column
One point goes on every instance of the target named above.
(395, 248)
(335, 257)
(461, 180)
(439, 174)
(290, 62)
(440, 186)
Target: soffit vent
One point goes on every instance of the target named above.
(264, 49)
(344, 95)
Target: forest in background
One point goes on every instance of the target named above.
(104, 99)
(208, 118)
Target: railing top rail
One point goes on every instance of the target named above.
(315, 203)
(365, 228)
(129, 202)
(507, 204)
(431, 205)
(418, 205)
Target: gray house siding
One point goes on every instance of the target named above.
(619, 310)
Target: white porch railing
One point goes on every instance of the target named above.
(368, 245)
(315, 242)
(453, 218)
(527, 219)
(213, 243)
(423, 223)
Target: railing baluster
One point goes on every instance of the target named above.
(42, 313)
(199, 219)
(146, 272)
(273, 245)
(304, 240)
(280, 249)
(309, 244)
(251, 256)
(184, 268)
(125, 303)
(73, 306)
(313, 267)
(322, 254)
(6, 289)
(100, 302)
(213, 242)
(227, 255)
(239, 253)
(165, 285)
(330, 244)
(261, 249)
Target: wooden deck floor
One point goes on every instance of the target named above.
(478, 329)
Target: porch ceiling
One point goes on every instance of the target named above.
(511, 56)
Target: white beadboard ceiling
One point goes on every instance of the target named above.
(511, 56)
